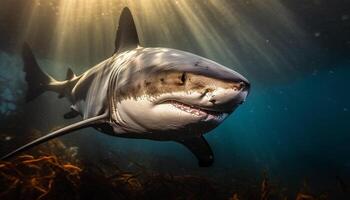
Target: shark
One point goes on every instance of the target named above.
(153, 93)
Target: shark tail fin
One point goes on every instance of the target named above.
(38, 81)
(67, 129)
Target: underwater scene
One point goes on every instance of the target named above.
(272, 120)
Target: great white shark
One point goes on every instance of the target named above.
(150, 93)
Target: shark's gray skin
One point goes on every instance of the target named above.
(151, 93)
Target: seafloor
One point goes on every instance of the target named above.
(55, 173)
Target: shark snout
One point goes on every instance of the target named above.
(220, 94)
(228, 98)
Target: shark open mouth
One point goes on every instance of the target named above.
(198, 112)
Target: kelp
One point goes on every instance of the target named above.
(54, 172)
(48, 177)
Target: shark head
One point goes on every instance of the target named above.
(164, 93)
(170, 92)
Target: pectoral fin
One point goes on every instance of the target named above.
(57, 133)
(200, 148)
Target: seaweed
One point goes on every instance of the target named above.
(48, 177)
(37, 178)
(54, 172)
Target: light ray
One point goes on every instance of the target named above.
(249, 36)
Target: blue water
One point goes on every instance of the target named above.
(296, 129)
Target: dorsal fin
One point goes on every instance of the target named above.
(126, 37)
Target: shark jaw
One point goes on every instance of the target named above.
(198, 112)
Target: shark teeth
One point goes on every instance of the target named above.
(189, 109)
(197, 111)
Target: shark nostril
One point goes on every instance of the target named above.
(242, 85)
(239, 86)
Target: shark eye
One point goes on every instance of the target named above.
(183, 78)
